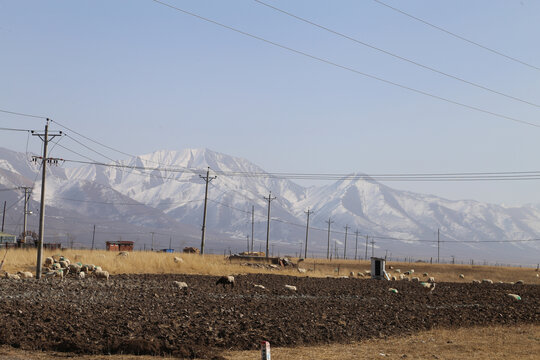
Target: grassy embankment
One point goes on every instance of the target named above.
(161, 263)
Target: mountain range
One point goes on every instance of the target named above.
(161, 196)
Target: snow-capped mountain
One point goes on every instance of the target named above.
(164, 190)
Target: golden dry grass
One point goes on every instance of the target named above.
(496, 342)
(162, 263)
(485, 343)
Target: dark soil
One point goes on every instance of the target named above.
(148, 314)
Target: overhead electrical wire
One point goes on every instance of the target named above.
(350, 69)
(458, 36)
(23, 114)
(397, 56)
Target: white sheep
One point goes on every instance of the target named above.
(431, 279)
(351, 274)
(360, 274)
(74, 268)
(398, 271)
(514, 296)
(402, 277)
(123, 253)
(181, 284)
(476, 281)
(415, 279)
(425, 274)
(487, 281)
(178, 259)
(81, 275)
(100, 274)
(25, 274)
(392, 290)
(12, 276)
(302, 271)
(461, 276)
(290, 287)
(48, 261)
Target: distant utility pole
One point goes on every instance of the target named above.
(152, 248)
(170, 242)
(45, 137)
(252, 225)
(356, 248)
(247, 242)
(386, 254)
(345, 245)
(307, 231)
(4, 216)
(269, 199)
(206, 179)
(329, 222)
(27, 192)
(93, 236)
(365, 256)
(372, 246)
(438, 244)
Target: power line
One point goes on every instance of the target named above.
(397, 56)
(23, 114)
(343, 67)
(11, 129)
(457, 36)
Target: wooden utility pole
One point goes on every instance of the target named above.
(207, 179)
(365, 256)
(93, 236)
(307, 231)
(269, 199)
(27, 192)
(44, 160)
(438, 244)
(252, 225)
(4, 215)
(356, 248)
(345, 245)
(329, 222)
(247, 242)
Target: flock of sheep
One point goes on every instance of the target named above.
(61, 267)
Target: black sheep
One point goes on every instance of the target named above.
(226, 280)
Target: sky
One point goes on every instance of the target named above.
(141, 77)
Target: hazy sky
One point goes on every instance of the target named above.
(141, 77)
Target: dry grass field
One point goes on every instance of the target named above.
(140, 262)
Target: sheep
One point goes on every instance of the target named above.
(514, 296)
(431, 279)
(391, 267)
(476, 281)
(415, 279)
(25, 274)
(48, 261)
(178, 259)
(97, 268)
(123, 253)
(394, 278)
(487, 281)
(351, 273)
(181, 284)
(519, 282)
(401, 277)
(56, 266)
(226, 280)
(461, 276)
(12, 276)
(392, 290)
(360, 274)
(425, 275)
(302, 271)
(368, 272)
(290, 287)
(74, 268)
(407, 273)
(398, 271)
(100, 274)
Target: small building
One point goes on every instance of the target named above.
(119, 245)
(378, 270)
(7, 239)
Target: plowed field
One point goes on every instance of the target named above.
(149, 314)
